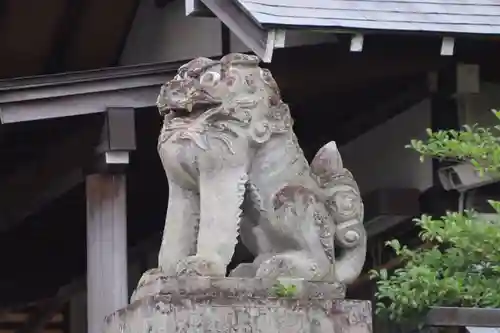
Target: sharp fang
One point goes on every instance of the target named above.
(189, 107)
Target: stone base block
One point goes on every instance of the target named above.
(203, 305)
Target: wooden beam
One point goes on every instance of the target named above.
(79, 93)
(196, 8)
(247, 30)
(455, 316)
(107, 289)
(84, 82)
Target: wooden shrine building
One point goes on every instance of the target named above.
(82, 192)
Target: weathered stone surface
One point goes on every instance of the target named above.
(231, 288)
(203, 304)
(235, 168)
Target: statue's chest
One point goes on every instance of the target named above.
(180, 157)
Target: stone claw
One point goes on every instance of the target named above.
(201, 266)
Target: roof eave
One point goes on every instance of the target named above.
(79, 93)
(240, 22)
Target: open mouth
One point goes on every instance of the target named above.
(188, 109)
(196, 102)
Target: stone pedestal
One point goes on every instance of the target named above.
(198, 304)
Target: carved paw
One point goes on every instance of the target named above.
(296, 264)
(245, 270)
(201, 266)
(148, 280)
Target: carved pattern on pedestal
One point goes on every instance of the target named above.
(203, 304)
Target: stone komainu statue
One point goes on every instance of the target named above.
(235, 167)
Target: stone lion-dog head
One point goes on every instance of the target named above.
(235, 88)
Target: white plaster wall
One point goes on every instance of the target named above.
(168, 35)
(476, 108)
(379, 159)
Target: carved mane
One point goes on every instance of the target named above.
(225, 93)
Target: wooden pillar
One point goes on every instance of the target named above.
(444, 107)
(107, 282)
(450, 88)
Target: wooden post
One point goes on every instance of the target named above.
(449, 86)
(107, 281)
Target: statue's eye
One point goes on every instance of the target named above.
(193, 73)
(210, 78)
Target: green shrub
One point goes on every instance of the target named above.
(461, 265)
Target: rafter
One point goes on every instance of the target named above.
(259, 40)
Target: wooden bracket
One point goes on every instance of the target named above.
(117, 140)
(279, 41)
(357, 43)
(448, 46)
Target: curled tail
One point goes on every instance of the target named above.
(343, 201)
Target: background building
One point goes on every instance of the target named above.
(79, 83)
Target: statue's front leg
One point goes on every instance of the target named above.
(179, 235)
(221, 195)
